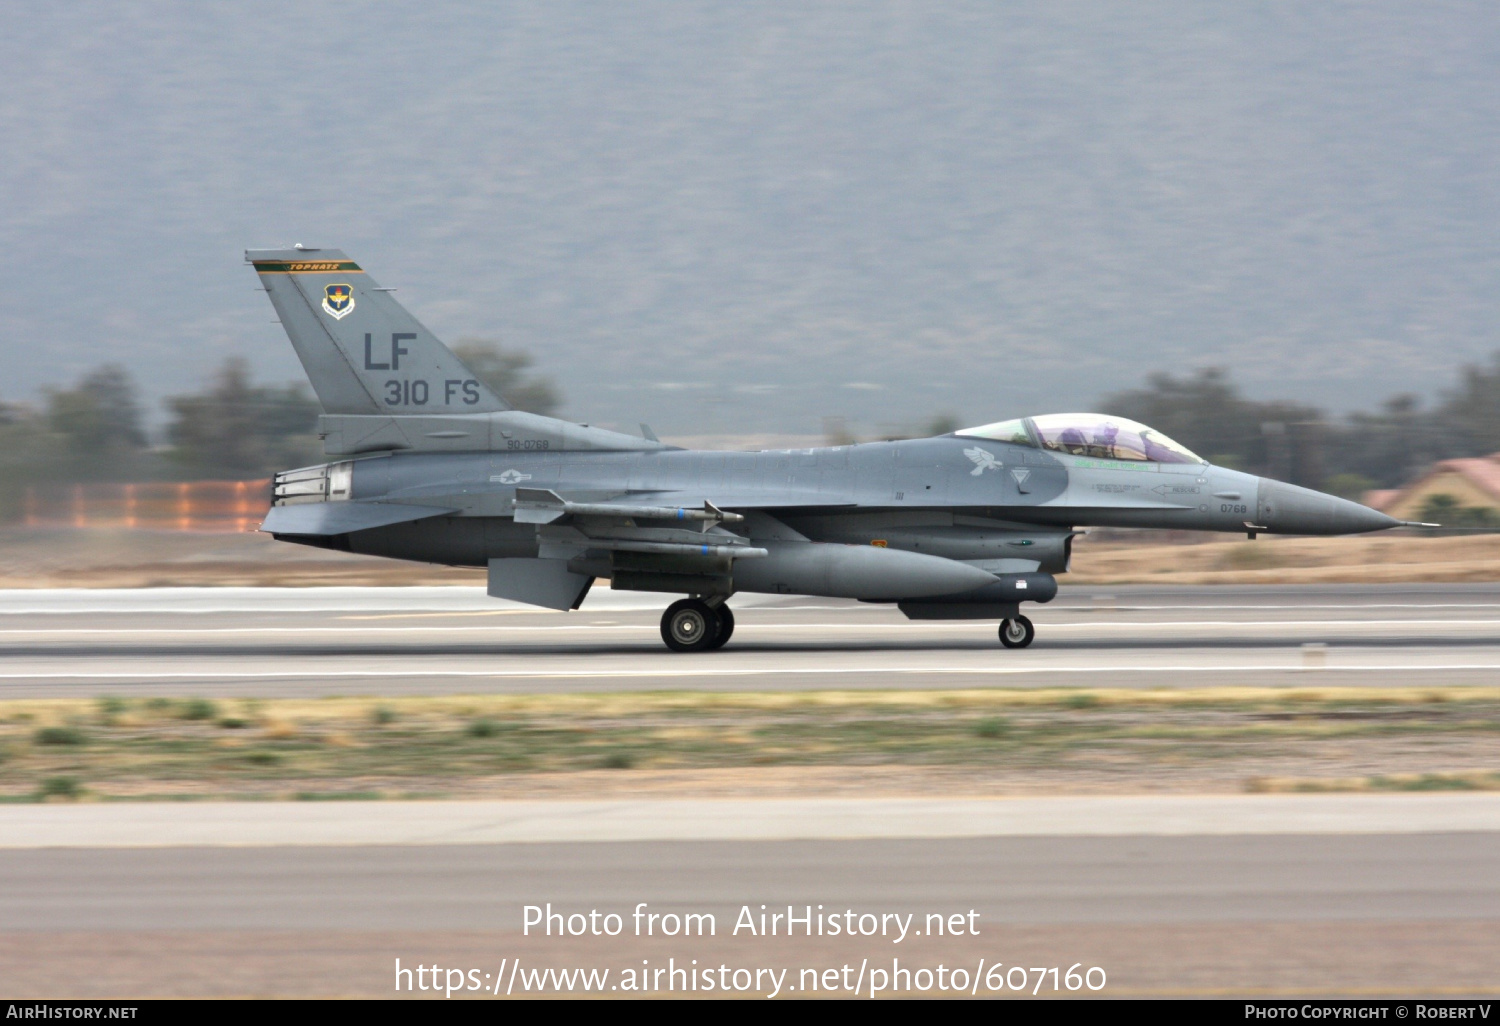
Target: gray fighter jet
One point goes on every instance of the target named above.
(430, 465)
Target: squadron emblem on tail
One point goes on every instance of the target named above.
(338, 301)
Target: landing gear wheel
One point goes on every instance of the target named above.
(689, 625)
(1017, 632)
(726, 626)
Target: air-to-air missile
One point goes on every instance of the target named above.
(430, 465)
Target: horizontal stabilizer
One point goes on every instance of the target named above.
(331, 518)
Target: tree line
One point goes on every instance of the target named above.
(1205, 410)
(234, 429)
(1381, 448)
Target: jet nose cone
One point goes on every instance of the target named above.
(1356, 518)
(1290, 509)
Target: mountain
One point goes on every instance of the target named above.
(746, 217)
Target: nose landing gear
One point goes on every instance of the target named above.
(1016, 632)
(692, 625)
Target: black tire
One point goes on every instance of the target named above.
(726, 626)
(1017, 632)
(689, 625)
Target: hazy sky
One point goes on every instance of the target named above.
(721, 217)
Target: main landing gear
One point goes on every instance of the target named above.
(692, 625)
(1016, 632)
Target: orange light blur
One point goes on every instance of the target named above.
(204, 506)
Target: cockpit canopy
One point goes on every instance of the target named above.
(1096, 435)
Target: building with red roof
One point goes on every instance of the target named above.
(1473, 483)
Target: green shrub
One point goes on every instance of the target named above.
(482, 728)
(1427, 782)
(339, 796)
(60, 787)
(262, 758)
(59, 736)
(383, 715)
(617, 760)
(232, 723)
(1447, 511)
(994, 727)
(1082, 700)
(197, 709)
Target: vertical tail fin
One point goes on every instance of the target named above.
(362, 351)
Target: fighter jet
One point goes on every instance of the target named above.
(428, 464)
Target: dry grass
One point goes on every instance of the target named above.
(995, 740)
(1460, 780)
(119, 558)
(1374, 559)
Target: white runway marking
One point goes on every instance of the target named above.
(706, 670)
(1096, 599)
(1132, 607)
(350, 644)
(965, 625)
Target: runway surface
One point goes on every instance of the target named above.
(1242, 895)
(290, 642)
(303, 824)
(1016, 880)
(1293, 904)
